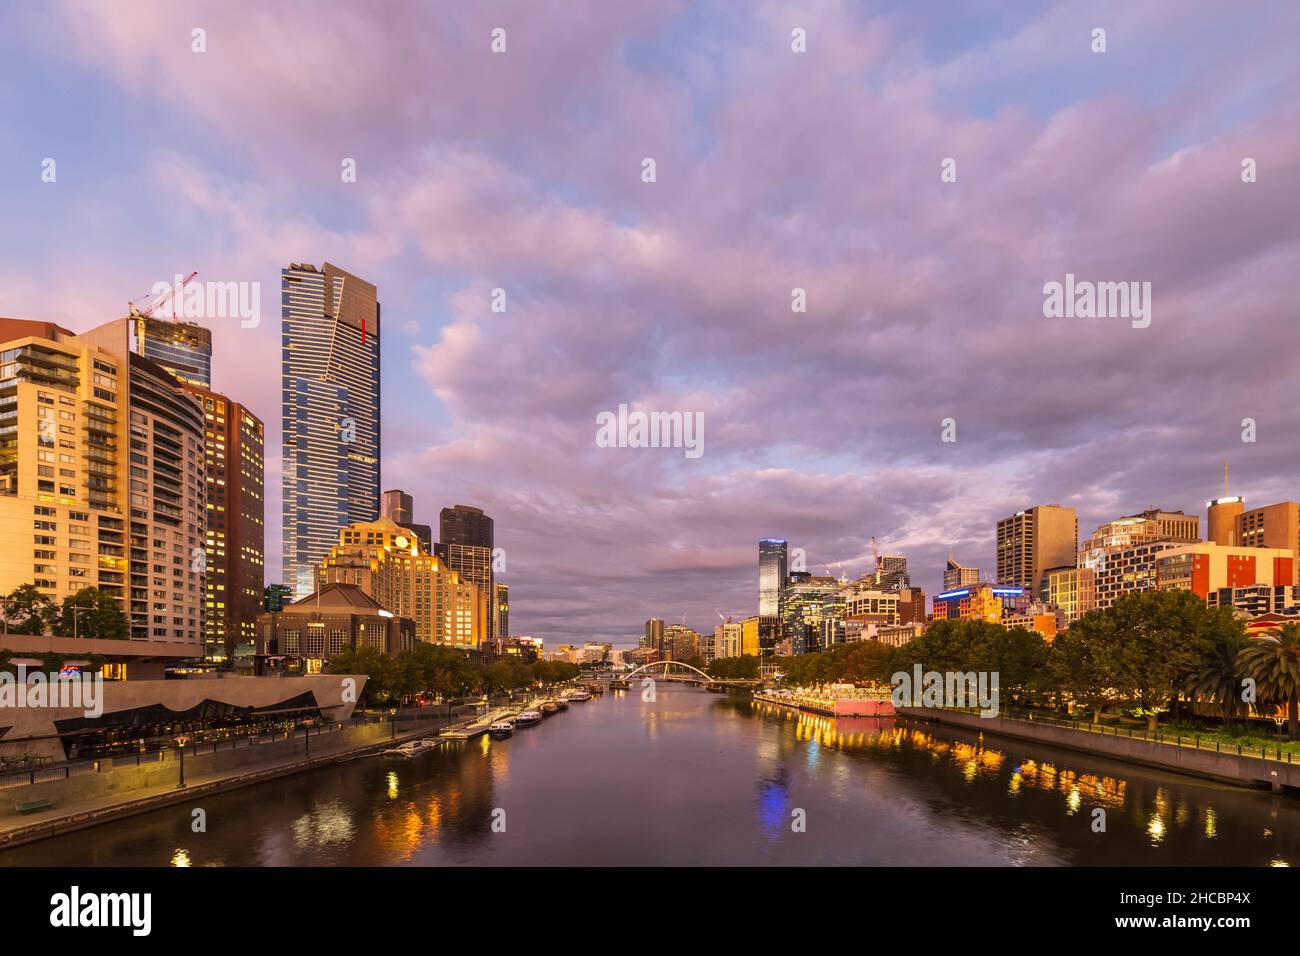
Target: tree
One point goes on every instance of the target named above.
(1274, 664)
(91, 613)
(1080, 661)
(1162, 637)
(1219, 677)
(374, 663)
(734, 668)
(26, 610)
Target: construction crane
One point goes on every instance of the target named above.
(159, 302)
(725, 620)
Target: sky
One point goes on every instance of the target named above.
(775, 170)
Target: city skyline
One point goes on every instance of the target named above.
(823, 427)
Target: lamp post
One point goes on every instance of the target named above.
(180, 743)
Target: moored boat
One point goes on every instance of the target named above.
(500, 729)
(526, 718)
(549, 707)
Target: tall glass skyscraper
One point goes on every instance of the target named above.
(183, 348)
(330, 412)
(771, 576)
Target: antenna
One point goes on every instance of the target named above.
(1225, 477)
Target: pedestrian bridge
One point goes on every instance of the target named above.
(684, 673)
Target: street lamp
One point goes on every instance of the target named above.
(180, 743)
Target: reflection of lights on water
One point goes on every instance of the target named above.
(1211, 823)
(1278, 863)
(392, 785)
(1013, 787)
(1156, 828)
(181, 858)
(484, 743)
(1074, 800)
(325, 825)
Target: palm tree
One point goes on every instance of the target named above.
(1274, 664)
(1219, 679)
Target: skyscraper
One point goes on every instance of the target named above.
(1029, 542)
(399, 506)
(236, 528)
(330, 413)
(957, 575)
(465, 536)
(102, 477)
(771, 576)
(183, 348)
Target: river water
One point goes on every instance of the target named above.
(694, 777)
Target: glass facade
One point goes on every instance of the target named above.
(330, 413)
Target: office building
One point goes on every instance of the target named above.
(503, 609)
(759, 635)
(102, 478)
(234, 443)
(891, 571)
(1221, 519)
(1272, 526)
(386, 562)
(330, 416)
(183, 348)
(1205, 568)
(1256, 600)
(726, 640)
(957, 575)
(399, 506)
(813, 612)
(771, 576)
(654, 634)
(466, 540)
(1072, 589)
(1031, 541)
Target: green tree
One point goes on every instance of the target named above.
(379, 668)
(1219, 677)
(91, 613)
(1163, 637)
(1080, 658)
(734, 668)
(26, 610)
(1274, 664)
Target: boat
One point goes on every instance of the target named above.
(578, 695)
(411, 748)
(549, 707)
(526, 718)
(619, 685)
(561, 703)
(500, 729)
(596, 689)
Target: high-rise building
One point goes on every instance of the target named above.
(183, 348)
(654, 634)
(386, 562)
(400, 506)
(959, 576)
(1031, 541)
(813, 611)
(503, 609)
(1122, 553)
(680, 643)
(1072, 589)
(102, 478)
(236, 526)
(330, 390)
(1221, 516)
(771, 576)
(891, 571)
(1272, 526)
(726, 640)
(466, 539)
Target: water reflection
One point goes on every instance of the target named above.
(697, 778)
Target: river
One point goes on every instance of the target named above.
(694, 777)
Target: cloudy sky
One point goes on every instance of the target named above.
(775, 170)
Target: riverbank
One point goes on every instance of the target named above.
(91, 799)
(1184, 755)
